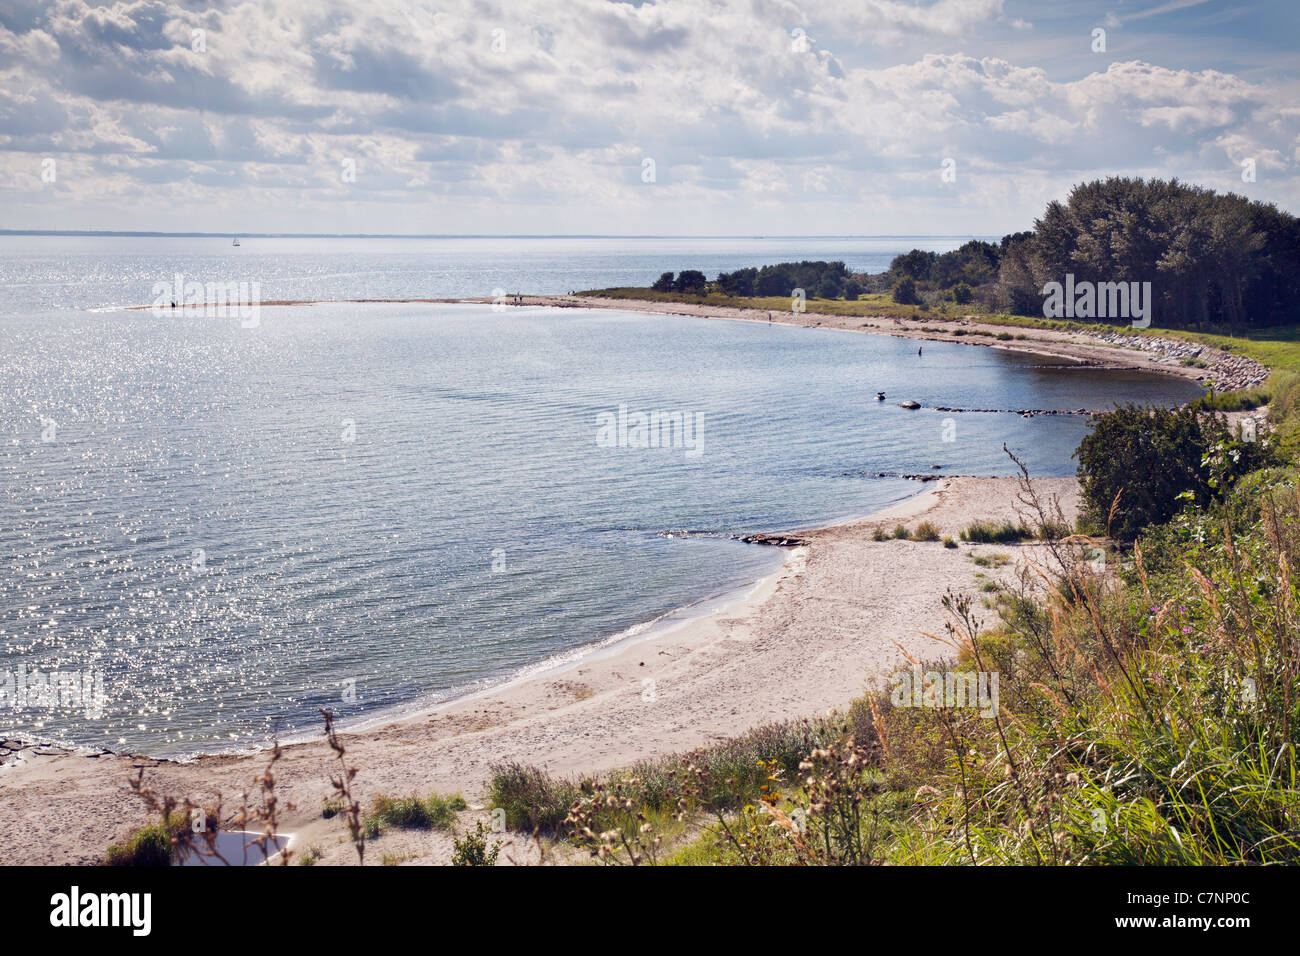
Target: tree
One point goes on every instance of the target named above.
(852, 290)
(692, 281)
(664, 283)
(916, 264)
(740, 282)
(774, 280)
(829, 289)
(905, 291)
(1212, 259)
(961, 293)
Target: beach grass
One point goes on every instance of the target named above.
(150, 845)
(412, 813)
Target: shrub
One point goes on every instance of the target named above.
(904, 292)
(150, 845)
(901, 533)
(532, 800)
(411, 813)
(664, 283)
(852, 291)
(926, 531)
(961, 293)
(310, 856)
(1147, 462)
(471, 849)
(948, 542)
(828, 289)
(986, 532)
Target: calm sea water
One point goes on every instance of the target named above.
(368, 507)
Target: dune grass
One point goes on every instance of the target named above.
(411, 813)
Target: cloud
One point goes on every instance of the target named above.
(484, 115)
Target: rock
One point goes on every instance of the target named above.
(909, 404)
(776, 540)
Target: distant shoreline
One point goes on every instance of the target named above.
(1080, 348)
(1228, 372)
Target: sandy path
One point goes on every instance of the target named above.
(808, 638)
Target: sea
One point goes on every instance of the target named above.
(211, 525)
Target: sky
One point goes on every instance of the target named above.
(675, 117)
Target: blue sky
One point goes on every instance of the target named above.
(587, 116)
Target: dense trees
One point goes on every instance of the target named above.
(1212, 259)
(815, 278)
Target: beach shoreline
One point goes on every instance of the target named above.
(840, 611)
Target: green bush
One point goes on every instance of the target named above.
(1150, 458)
(472, 849)
(532, 799)
(412, 813)
(904, 292)
(151, 845)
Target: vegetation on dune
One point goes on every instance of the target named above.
(411, 813)
(150, 845)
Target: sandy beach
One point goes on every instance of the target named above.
(811, 637)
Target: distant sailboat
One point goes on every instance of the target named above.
(235, 241)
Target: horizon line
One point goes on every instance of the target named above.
(145, 234)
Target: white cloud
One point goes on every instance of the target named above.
(547, 130)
